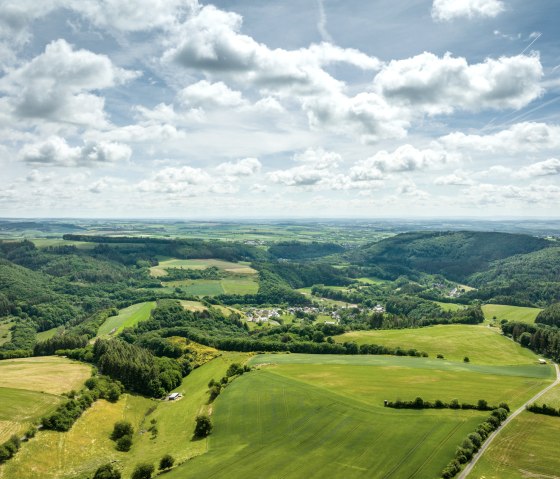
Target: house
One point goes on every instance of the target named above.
(173, 396)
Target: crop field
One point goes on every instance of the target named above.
(50, 374)
(214, 287)
(230, 267)
(326, 415)
(526, 448)
(482, 345)
(30, 388)
(77, 453)
(511, 313)
(126, 318)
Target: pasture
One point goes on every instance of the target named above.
(228, 266)
(49, 333)
(326, 415)
(511, 313)
(77, 453)
(450, 306)
(127, 318)
(214, 287)
(482, 345)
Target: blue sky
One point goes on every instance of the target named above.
(316, 108)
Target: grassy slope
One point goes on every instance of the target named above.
(79, 452)
(239, 268)
(126, 318)
(511, 313)
(481, 344)
(5, 333)
(450, 306)
(319, 416)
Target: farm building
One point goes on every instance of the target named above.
(173, 396)
(542, 361)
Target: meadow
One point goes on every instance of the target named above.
(127, 318)
(32, 387)
(228, 266)
(511, 313)
(5, 333)
(310, 415)
(481, 344)
(79, 452)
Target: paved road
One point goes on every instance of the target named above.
(511, 417)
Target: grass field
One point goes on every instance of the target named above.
(323, 416)
(49, 333)
(526, 448)
(450, 306)
(31, 387)
(481, 344)
(76, 454)
(511, 313)
(211, 287)
(239, 286)
(230, 267)
(126, 318)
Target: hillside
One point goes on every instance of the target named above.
(455, 255)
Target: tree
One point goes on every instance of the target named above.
(120, 429)
(466, 359)
(107, 471)
(203, 426)
(166, 462)
(124, 443)
(143, 471)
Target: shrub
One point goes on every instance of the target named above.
(143, 471)
(120, 429)
(107, 471)
(166, 462)
(124, 443)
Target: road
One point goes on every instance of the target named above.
(511, 417)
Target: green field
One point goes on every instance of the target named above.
(214, 287)
(481, 344)
(126, 318)
(76, 454)
(511, 313)
(526, 448)
(323, 416)
(228, 266)
(49, 333)
(31, 387)
(450, 306)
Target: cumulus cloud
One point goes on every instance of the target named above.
(541, 168)
(521, 137)
(204, 94)
(446, 10)
(56, 152)
(56, 85)
(409, 158)
(454, 179)
(443, 85)
(244, 167)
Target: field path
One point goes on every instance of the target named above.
(512, 416)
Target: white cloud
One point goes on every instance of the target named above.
(542, 168)
(521, 137)
(454, 179)
(443, 85)
(446, 10)
(204, 94)
(56, 152)
(409, 158)
(244, 167)
(56, 85)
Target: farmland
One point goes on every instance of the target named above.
(76, 454)
(482, 345)
(511, 313)
(317, 410)
(30, 388)
(164, 264)
(126, 318)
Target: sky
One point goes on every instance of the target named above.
(285, 109)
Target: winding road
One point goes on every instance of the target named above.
(511, 417)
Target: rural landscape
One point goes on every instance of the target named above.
(288, 239)
(333, 349)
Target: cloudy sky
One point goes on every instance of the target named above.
(292, 108)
